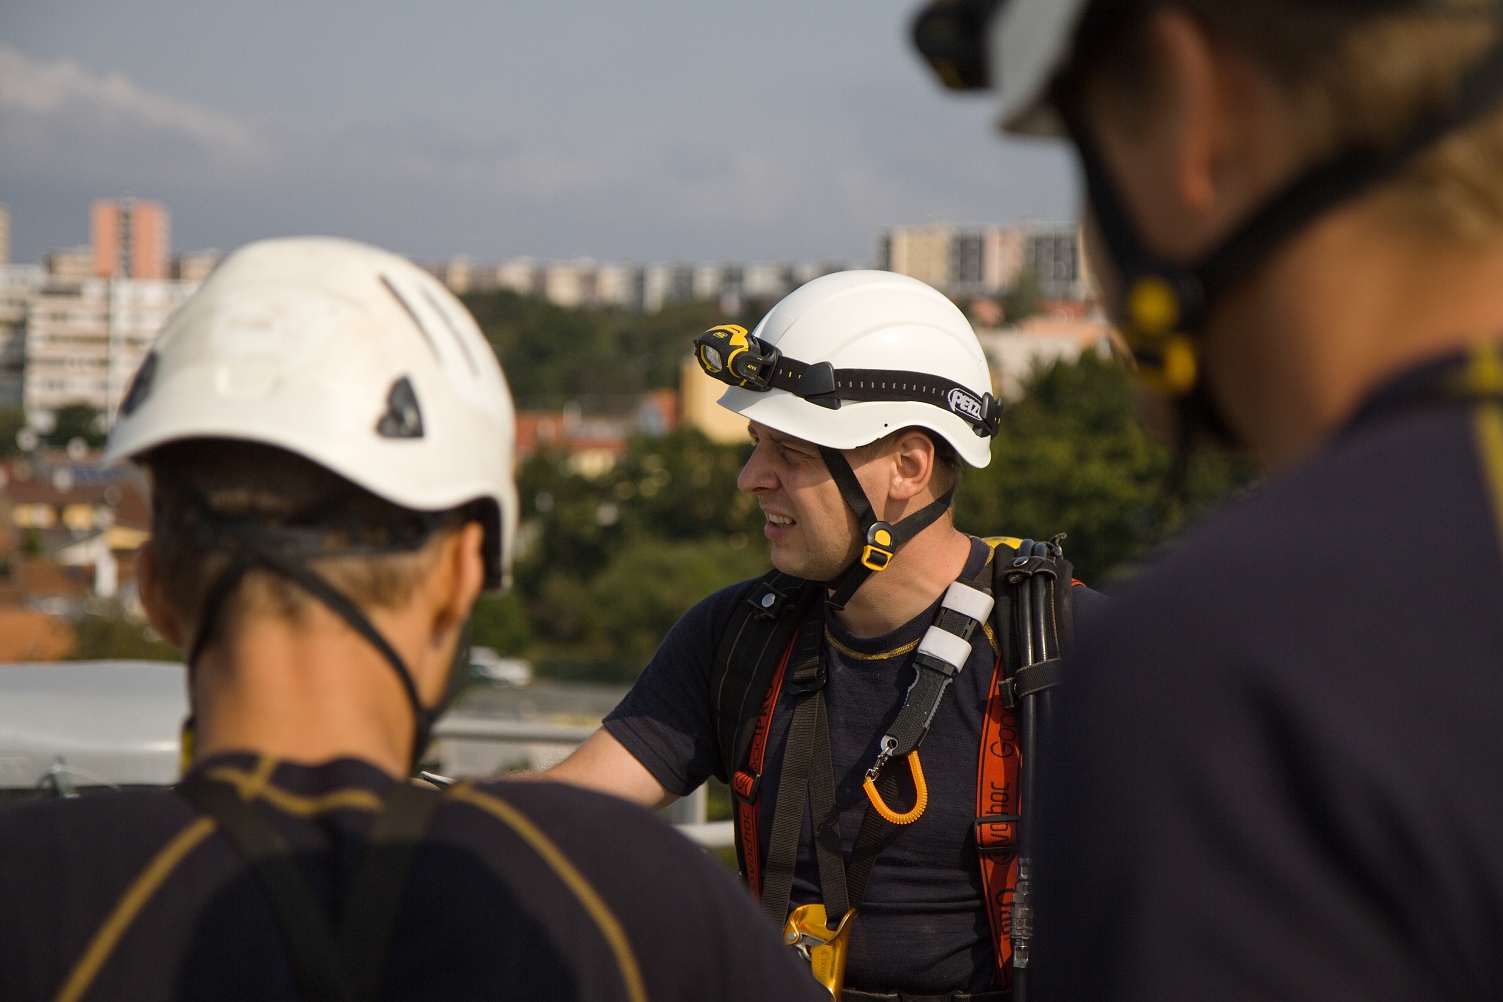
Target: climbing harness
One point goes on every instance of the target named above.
(774, 646)
(346, 965)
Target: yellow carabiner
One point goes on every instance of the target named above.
(920, 802)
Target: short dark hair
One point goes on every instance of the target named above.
(239, 479)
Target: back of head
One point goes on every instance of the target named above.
(315, 420)
(344, 355)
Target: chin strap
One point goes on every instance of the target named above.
(1163, 305)
(286, 550)
(880, 540)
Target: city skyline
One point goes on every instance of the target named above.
(664, 131)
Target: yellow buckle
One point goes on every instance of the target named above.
(877, 553)
(824, 948)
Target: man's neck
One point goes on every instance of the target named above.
(1352, 302)
(308, 692)
(919, 573)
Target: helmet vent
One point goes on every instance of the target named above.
(416, 320)
(140, 386)
(403, 418)
(464, 349)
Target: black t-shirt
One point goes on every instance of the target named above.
(922, 927)
(1279, 772)
(522, 890)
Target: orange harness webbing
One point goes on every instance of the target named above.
(997, 820)
(746, 784)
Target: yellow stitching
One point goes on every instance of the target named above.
(1485, 375)
(842, 648)
(293, 803)
(130, 905)
(605, 919)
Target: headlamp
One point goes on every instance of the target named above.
(951, 36)
(731, 355)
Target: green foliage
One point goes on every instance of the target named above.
(1024, 299)
(649, 584)
(553, 354)
(613, 562)
(12, 420)
(500, 623)
(78, 420)
(1072, 457)
(115, 636)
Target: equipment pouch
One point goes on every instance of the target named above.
(824, 948)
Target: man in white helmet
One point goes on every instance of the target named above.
(1279, 772)
(329, 442)
(871, 674)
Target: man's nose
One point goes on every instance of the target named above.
(757, 476)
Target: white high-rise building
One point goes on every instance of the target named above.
(85, 340)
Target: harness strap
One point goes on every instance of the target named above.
(375, 901)
(1031, 679)
(806, 684)
(352, 970)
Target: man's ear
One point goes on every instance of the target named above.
(913, 462)
(159, 612)
(461, 573)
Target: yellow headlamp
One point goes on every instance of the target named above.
(731, 355)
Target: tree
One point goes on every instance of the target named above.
(12, 420)
(1072, 457)
(77, 420)
(1024, 299)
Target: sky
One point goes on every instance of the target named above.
(652, 130)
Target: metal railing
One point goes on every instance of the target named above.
(687, 814)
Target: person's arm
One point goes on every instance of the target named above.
(602, 763)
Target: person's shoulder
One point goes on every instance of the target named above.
(146, 811)
(716, 608)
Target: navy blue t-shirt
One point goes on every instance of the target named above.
(922, 927)
(1279, 772)
(520, 890)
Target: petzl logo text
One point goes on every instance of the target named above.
(962, 402)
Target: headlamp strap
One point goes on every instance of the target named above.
(734, 357)
(880, 539)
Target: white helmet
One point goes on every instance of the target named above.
(344, 354)
(1015, 47)
(855, 355)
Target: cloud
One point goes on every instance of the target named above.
(764, 180)
(59, 118)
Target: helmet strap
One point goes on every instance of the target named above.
(880, 540)
(247, 556)
(1163, 305)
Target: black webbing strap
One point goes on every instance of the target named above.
(321, 974)
(352, 970)
(375, 901)
(806, 684)
(822, 384)
(1031, 679)
(250, 556)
